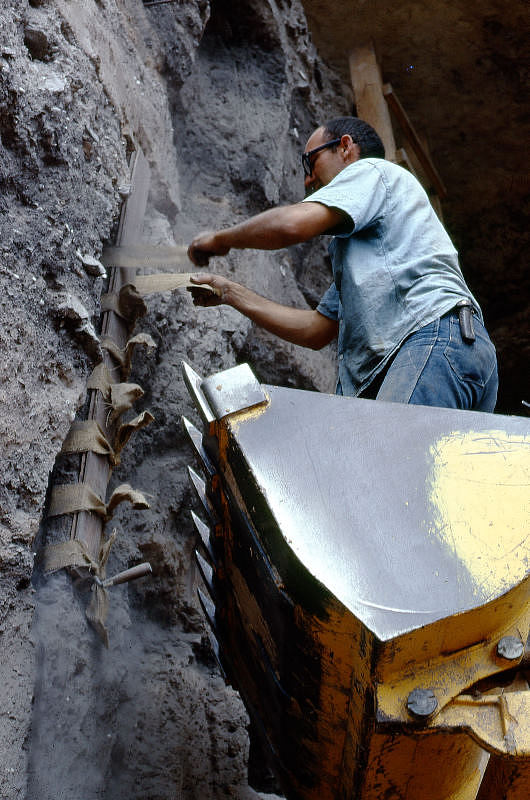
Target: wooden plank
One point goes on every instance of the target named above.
(369, 99)
(433, 197)
(411, 162)
(415, 141)
(402, 158)
(436, 204)
(95, 469)
(131, 220)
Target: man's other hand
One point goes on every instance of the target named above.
(205, 298)
(204, 246)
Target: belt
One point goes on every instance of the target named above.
(465, 310)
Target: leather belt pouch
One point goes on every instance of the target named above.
(465, 318)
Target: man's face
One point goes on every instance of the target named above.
(326, 164)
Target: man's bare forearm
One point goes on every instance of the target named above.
(271, 230)
(300, 326)
(292, 324)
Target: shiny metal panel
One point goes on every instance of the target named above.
(398, 510)
(235, 389)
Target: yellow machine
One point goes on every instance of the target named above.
(368, 588)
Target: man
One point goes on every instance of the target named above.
(409, 329)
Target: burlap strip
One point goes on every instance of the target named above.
(74, 553)
(126, 430)
(74, 497)
(139, 256)
(124, 357)
(122, 398)
(128, 304)
(86, 436)
(100, 378)
(167, 282)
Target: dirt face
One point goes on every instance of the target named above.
(221, 97)
(221, 119)
(57, 195)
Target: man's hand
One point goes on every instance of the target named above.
(204, 246)
(205, 299)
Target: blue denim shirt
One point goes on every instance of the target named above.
(394, 267)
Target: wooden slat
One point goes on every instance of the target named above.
(415, 141)
(402, 158)
(369, 99)
(436, 204)
(95, 469)
(411, 162)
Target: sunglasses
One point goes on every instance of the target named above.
(306, 157)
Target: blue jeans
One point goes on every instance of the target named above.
(435, 367)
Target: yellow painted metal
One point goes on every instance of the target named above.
(450, 655)
(339, 649)
(499, 722)
(410, 767)
(346, 653)
(506, 779)
(363, 738)
(480, 495)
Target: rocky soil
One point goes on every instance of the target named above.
(220, 99)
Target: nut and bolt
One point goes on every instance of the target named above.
(421, 703)
(510, 647)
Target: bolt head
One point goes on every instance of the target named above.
(421, 703)
(510, 647)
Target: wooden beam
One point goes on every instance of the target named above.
(369, 99)
(402, 158)
(436, 204)
(410, 161)
(402, 118)
(95, 469)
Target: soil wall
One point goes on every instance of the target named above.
(220, 97)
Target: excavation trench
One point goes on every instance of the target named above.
(150, 716)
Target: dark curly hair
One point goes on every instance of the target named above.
(363, 134)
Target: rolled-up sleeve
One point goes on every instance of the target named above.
(359, 191)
